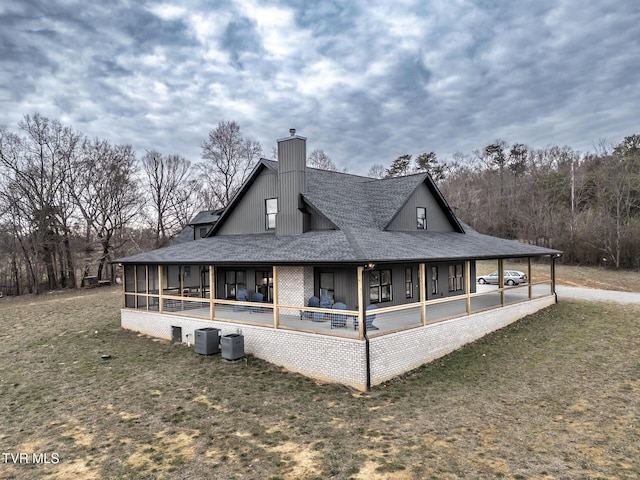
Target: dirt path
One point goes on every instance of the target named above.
(597, 295)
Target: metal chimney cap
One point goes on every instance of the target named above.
(292, 131)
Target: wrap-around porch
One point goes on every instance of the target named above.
(149, 288)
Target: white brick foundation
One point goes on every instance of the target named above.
(342, 360)
(397, 353)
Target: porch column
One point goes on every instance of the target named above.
(360, 304)
(467, 284)
(552, 261)
(124, 288)
(160, 288)
(529, 277)
(501, 280)
(276, 310)
(135, 287)
(422, 279)
(146, 286)
(212, 292)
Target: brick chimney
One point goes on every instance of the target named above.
(292, 183)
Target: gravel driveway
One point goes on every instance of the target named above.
(597, 295)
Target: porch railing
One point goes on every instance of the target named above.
(202, 304)
(328, 321)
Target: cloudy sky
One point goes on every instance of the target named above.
(366, 81)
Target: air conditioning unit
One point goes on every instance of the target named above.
(206, 341)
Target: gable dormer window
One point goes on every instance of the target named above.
(421, 217)
(271, 209)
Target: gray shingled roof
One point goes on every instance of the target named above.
(369, 203)
(344, 246)
(361, 208)
(205, 217)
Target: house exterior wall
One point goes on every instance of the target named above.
(249, 283)
(443, 279)
(200, 231)
(345, 284)
(322, 357)
(343, 360)
(405, 220)
(292, 182)
(295, 287)
(346, 281)
(249, 216)
(319, 222)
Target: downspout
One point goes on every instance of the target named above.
(367, 352)
(363, 319)
(553, 274)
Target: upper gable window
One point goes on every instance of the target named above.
(271, 209)
(421, 216)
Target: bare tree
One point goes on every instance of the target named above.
(320, 160)
(37, 169)
(621, 195)
(231, 157)
(172, 193)
(377, 170)
(106, 192)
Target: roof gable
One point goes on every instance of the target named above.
(351, 201)
(440, 201)
(262, 165)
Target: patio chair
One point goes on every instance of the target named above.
(337, 319)
(258, 298)
(241, 296)
(368, 319)
(325, 302)
(314, 302)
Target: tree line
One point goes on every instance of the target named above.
(70, 204)
(587, 205)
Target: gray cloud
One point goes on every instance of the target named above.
(365, 81)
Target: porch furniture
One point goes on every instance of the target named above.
(325, 302)
(241, 296)
(338, 320)
(314, 302)
(368, 319)
(258, 298)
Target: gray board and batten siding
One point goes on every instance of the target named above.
(292, 184)
(346, 279)
(405, 220)
(248, 215)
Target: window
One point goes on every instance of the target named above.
(327, 285)
(271, 210)
(129, 278)
(421, 215)
(434, 281)
(455, 278)
(380, 286)
(141, 278)
(264, 285)
(408, 282)
(203, 232)
(233, 281)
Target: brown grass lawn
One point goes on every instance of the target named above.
(553, 396)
